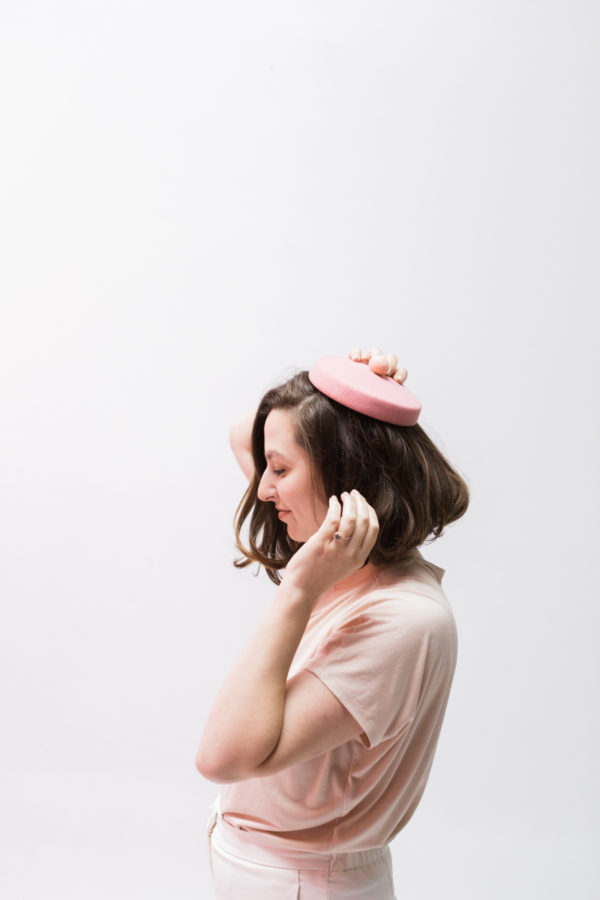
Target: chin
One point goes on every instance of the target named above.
(296, 536)
(300, 537)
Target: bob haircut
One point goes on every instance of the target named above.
(397, 468)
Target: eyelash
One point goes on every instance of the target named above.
(278, 471)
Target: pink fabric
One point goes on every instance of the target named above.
(384, 642)
(354, 385)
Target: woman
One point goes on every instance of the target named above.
(324, 731)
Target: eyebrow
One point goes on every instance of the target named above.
(273, 453)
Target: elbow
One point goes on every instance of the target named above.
(226, 756)
(218, 769)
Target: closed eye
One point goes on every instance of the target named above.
(278, 471)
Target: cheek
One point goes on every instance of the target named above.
(313, 511)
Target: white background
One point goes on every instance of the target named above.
(197, 200)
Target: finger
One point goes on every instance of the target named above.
(379, 364)
(362, 518)
(372, 531)
(331, 522)
(392, 362)
(348, 519)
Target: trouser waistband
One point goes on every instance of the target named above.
(248, 846)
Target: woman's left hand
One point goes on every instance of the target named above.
(339, 547)
(260, 722)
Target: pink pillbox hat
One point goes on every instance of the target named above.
(354, 385)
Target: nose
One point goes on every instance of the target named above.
(266, 487)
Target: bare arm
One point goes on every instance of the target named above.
(240, 438)
(246, 719)
(261, 722)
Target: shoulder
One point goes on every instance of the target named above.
(406, 604)
(390, 645)
(400, 606)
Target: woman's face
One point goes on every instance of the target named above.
(286, 481)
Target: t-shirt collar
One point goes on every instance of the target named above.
(355, 578)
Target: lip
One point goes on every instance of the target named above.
(282, 512)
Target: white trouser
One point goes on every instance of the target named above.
(244, 870)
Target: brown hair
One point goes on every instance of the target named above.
(398, 469)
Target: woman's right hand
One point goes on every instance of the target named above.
(324, 559)
(380, 363)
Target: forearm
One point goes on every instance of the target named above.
(240, 439)
(245, 722)
(240, 433)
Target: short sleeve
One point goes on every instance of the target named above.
(386, 661)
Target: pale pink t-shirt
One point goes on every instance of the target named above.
(384, 642)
